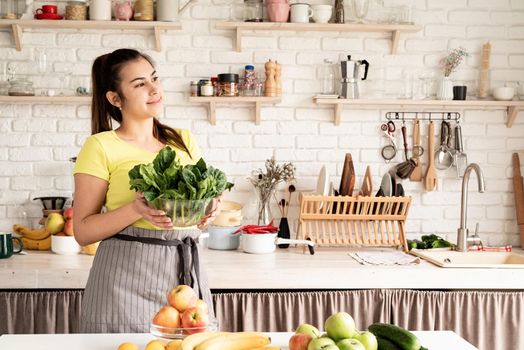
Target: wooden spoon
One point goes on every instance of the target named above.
(416, 175)
(431, 181)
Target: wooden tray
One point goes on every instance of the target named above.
(351, 221)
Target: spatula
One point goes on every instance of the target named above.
(416, 174)
(431, 181)
(460, 159)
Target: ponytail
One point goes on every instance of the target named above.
(105, 75)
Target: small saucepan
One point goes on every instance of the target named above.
(263, 243)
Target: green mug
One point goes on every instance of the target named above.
(6, 245)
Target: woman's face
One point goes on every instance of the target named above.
(143, 93)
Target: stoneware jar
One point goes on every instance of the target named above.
(123, 10)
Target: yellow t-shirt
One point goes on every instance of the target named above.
(110, 158)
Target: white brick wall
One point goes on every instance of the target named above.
(37, 140)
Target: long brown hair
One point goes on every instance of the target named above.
(106, 77)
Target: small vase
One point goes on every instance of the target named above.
(283, 232)
(445, 89)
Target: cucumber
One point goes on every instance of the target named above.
(403, 338)
(384, 344)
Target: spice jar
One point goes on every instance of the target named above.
(76, 11)
(144, 10)
(194, 88)
(207, 88)
(21, 87)
(228, 84)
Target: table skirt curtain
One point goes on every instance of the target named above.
(40, 312)
(284, 311)
(490, 320)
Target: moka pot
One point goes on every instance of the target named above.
(350, 72)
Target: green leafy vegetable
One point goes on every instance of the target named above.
(166, 178)
(428, 242)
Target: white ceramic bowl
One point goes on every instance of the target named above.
(64, 245)
(503, 93)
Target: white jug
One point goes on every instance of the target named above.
(168, 10)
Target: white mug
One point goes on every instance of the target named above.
(300, 13)
(322, 13)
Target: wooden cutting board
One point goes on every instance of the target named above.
(367, 183)
(518, 187)
(347, 181)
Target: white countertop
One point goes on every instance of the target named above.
(286, 269)
(437, 340)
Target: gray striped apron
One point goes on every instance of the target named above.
(131, 275)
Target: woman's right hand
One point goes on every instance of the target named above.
(154, 216)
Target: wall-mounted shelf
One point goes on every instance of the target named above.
(17, 27)
(212, 101)
(394, 29)
(45, 99)
(512, 108)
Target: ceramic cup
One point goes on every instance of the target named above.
(301, 13)
(6, 245)
(51, 9)
(322, 13)
(277, 11)
(459, 92)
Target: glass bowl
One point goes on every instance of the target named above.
(183, 213)
(181, 333)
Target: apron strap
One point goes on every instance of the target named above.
(186, 248)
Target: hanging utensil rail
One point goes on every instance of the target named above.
(422, 116)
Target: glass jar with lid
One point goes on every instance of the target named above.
(253, 10)
(21, 87)
(76, 10)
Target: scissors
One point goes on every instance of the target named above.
(389, 151)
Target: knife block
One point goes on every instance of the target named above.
(353, 221)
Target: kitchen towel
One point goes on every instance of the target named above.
(385, 258)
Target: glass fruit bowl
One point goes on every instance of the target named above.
(181, 333)
(183, 213)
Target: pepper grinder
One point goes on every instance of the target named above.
(278, 79)
(270, 85)
(339, 11)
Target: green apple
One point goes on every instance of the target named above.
(367, 339)
(320, 344)
(305, 328)
(350, 344)
(340, 326)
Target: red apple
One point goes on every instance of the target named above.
(167, 316)
(68, 228)
(299, 341)
(202, 306)
(182, 297)
(195, 320)
(68, 213)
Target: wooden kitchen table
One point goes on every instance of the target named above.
(437, 340)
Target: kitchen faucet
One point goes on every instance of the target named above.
(463, 237)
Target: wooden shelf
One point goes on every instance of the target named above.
(394, 29)
(512, 108)
(45, 99)
(18, 25)
(213, 100)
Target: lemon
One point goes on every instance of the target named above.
(128, 346)
(174, 344)
(156, 345)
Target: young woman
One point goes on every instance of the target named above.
(141, 256)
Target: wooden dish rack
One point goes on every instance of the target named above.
(349, 221)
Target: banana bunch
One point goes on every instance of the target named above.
(227, 341)
(34, 239)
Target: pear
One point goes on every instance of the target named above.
(54, 223)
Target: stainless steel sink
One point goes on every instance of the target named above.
(451, 258)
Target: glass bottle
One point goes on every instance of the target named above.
(327, 77)
(253, 11)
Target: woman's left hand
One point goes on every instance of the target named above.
(212, 215)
